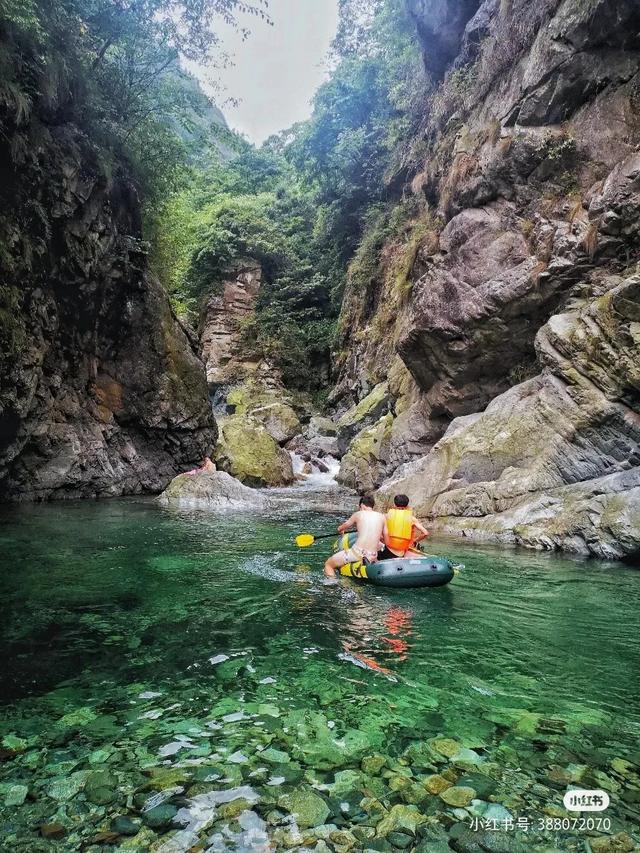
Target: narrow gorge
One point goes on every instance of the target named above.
(319, 426)
(486, 353)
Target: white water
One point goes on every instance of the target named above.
(316, 491)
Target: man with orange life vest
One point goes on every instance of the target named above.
(401, 529)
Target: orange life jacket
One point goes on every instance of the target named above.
(399, 529)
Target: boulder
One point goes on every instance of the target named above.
(279, 420)
(307, 808)
(555, 461)
(216, 490)
(317, 439)
(361, 466)
(362, 414)
(247, 451)
(458, 796)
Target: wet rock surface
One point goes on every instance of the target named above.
(248, 452)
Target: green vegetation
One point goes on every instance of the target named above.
(302, 206)
(113, 70)
(307, 201)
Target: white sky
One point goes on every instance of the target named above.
(277, 69)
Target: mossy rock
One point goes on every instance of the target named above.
(370, 406)
(307, 807)
(247, 451)
(400, 819)
(279, 420)
(363, 465)
(250, 395)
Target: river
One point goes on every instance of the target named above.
(176, 680)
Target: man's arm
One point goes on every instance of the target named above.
(350, 522)
(422, 531)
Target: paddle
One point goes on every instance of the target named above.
(303, 540)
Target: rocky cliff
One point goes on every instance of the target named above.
(221, 326)
(101, 389)
(514, 290)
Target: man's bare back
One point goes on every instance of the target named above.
(369, 525)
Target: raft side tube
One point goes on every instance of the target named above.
(402, 572)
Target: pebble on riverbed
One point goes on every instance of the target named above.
(293, 779)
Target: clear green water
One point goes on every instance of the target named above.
(530, 661)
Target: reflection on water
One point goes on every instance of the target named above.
(192, 656)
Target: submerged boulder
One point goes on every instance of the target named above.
(210, 490)
(247, 451)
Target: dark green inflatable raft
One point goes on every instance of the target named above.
(415, 570)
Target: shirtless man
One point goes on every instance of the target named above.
(369, 525)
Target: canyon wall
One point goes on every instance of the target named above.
(492, 362)
(102, 391)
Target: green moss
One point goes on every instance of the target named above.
(247, 451)
(248, 396)
(366, 406)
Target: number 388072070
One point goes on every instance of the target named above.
(579, 824)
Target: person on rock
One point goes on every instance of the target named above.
(369, 525)
(206, 467)
(402, 530)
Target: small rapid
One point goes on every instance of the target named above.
(317, 491)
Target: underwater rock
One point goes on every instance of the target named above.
(228, 811)
(400, 819)
(307, 807)
(100, 787)
(327, 753)
(401, 840)
(466, 756)
(52, 831)
(15, 795)
(65, 788)
(274, 756)
(445, 746)
(216, 490)
(125, 825)
(481, 784)
(160, 816)
(458, 796)
(620, 843)
(436, 784)
(373, 764)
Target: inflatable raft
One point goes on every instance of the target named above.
(413, 570)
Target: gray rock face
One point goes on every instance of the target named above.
(441, 24)
(532, 185)
(216, 490)
(220, 325)
(101, 389)
(553, 462)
